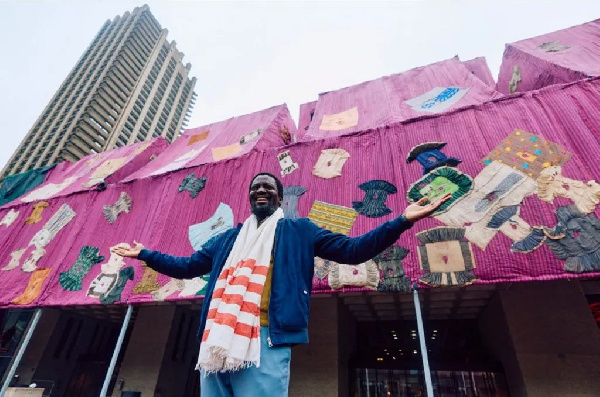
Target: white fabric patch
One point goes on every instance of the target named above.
(340, 121)
(287, 164)
(330, 163)
(437, 100)
(179, 162)
(48, 190)
(9, 218)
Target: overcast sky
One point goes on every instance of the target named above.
(249, 56)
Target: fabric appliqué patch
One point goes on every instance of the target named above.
(291, 195)
(72, 278)
(114, 295)
(192, 184)
(340, 121)
(286, 136)
(198, 137)
(149, 282)
(551, 184)
(389, 263)
(286, 163)
(508, 221)
(528, 153)
(428, 154)
(330, 163)
(437, 183)
(104, 170)
(575, 239)
(376, 192)
(46, 191)
(250, 136)
(437, 100)
(322, 267)
(332, 217)
(553, 46)
(445, 257)
(9, 218)
(362, 275)
(179, 162)
(123, 204)
(36, 214)
(224, 152)
(219, 222)
(15, 259)
(514, 80)
(34, 287)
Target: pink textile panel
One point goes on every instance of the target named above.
(109, 167)
(224, 140)
(554, 58)
(479, 67)
(423, 91)
(160, 215)
(305, 116)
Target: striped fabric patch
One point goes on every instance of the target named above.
(332, 217)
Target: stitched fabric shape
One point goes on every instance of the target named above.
(376, 192)
(528, 153)
(72, 278)
(286, 163)
(114, 295)
(553, 46)
(198, 137)
(531, 242)
(476, 209)
(291, 195)
(322, 267)
(220, 221)
(59, 220)
(428, 154)
(149, 281)
(575, 239)
(250, 136)
(192, 184)
(30, 263)
(104, 170)
(362, 275)
(332, 217)
(15, 258)
(340, 121)
(36, 214)
(551, 184)
(168, 289)
(112, 211)
(389, 263)
(224, 152)
(193, 286)
(46, 191)
(330, 163)
(285, 135)
(106, 280)
(514, 80)
(34, 287)
(437, 100)
(445, 257)
(9, 218)
(438, 182)
(507, 221)
(179, 162)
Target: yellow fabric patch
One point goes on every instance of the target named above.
(223, 152)
(332, 217)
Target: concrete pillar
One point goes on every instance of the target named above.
(39, 340)
(145, 350)
(545, 335)
(314, 367)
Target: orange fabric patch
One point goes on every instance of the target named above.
(224, 152)
(198, 138)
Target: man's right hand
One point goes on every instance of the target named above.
(128, 252)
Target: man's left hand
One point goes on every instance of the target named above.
(423, 208)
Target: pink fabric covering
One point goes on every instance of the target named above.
(540, 68)
(134, 157)
(160, 216)
(224, 133)
(304, 118)
(479, 67)
(382, 102)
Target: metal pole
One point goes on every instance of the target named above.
(13, 368)
(426, 371)
(113, 360)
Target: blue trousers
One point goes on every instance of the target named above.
(270, 379)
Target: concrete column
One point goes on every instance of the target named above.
(35, 350)
(145, 350)
(314, 367)
(545, 335)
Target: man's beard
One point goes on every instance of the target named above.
(263, 211)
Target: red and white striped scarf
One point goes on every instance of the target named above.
(231, 338)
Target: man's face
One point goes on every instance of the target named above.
(264, 197)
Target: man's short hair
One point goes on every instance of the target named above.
(277, 182)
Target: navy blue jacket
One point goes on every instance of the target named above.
(296, 244)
